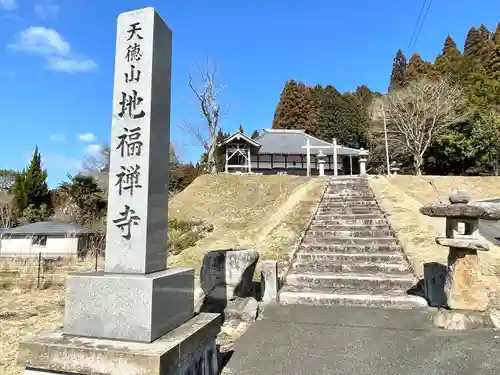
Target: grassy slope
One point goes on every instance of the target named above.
(264, 212)
(402, 196)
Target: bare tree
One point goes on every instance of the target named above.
(97, 166)
(420, 112)
(207, 91)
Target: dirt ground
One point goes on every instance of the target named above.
(265, 212)
(402, 196)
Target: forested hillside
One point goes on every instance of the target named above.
(470, 146)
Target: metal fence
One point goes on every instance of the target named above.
(43, 272)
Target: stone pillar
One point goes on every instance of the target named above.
(137, 309)
(269, 281)
(335, 158)
(321, 162)
(363, 157)
(466, 295)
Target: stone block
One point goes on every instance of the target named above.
(128, 307)
(461, 210)
(464, 287)
(461, 320)
(434, 281)
(190, 348)
(226, 274)
(245, 309)
(269, 281)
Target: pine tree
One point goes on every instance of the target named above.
(19, 191)
(398, 71)
(473, 43)
(484, 32)
(496, 35)
(417, 69)
(255, 134)
(241, 130)
(31, 187)
(450, 61)
(493, 68)
(295, 109)
(220, 157)
(326, 106)
(365, 96)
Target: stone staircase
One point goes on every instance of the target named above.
(349, 255)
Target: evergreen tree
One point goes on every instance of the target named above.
(31, 187)
(20, 199)
(327, 102)
(241, 130)
(473, 43)
(493, 68)
(398, 73)
(417, 69)
(496, 35)
(484, 32)
(295, 109)
(255, 134)
(450, 61)
(220, 156)
(365, 96)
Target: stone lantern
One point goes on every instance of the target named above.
(395, 168)
(321, 160)
(466, 295)
(363, 157)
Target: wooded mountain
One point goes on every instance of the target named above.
(468, 148)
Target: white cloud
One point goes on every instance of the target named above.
(46, 10)
(8, 4)
(57, 137)
(92, 149)
(57, 52)
(86, 137)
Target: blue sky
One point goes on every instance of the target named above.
(57, 60)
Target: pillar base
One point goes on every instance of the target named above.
(190, 348)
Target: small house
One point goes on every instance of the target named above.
(45, 237)
(286, 151)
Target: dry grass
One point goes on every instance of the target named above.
(5, 197)
(402, 196)
(23, 314)
(246, 211)
(21, 273)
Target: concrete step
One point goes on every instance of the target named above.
(348, 211)
(348, 226)
(354, 198)
(354, 223)
(353, 204)
(348, 249)
(351, 240)
(349, 233)
(346, 258)
(400, 267)
(331, 297)
(350, 280)
(337, 216)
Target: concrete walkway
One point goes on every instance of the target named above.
(313, 340)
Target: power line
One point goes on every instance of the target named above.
(416, 25)
(422, 24)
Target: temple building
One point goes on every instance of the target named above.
(287, 151)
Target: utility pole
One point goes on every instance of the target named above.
(386, 143)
